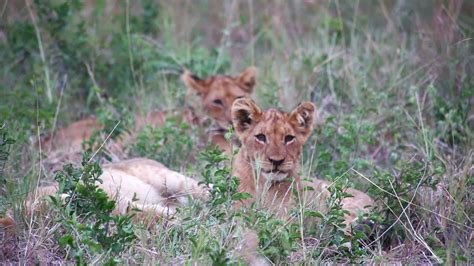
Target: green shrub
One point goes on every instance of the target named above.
(5, 142)
(88, 227)
(170, 144)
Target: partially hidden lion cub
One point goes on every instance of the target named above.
(217, 94)
(138, 183)
(267, 164)
(157, 188)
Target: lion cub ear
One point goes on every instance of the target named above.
(194, 82)
(245, 113)
(302, 119)
(247, 79)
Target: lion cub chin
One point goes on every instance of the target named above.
(274, 176)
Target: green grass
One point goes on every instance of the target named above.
(392, 81)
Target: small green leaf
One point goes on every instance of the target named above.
(316, 214)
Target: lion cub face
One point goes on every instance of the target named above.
(272, 140)
(219, 92)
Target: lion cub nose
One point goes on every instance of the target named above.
(276, 162)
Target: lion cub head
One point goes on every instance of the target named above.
(219, 92)
(272, 140)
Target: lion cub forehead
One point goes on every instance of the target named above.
(275, 116)
(223, 81)
(276, 122)
(226, 84)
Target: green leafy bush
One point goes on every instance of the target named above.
(5, 142)
(85, 216)
(170, 144)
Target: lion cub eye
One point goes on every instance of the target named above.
(218, 102)
(261, 138)
(289, 138)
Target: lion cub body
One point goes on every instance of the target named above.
(143, 184)
(66, 143)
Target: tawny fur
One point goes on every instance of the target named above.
(217, 93)
(66, 143)
(70, 138)
(268, 162)
(138, 183)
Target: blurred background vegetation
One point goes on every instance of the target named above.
(393, 82)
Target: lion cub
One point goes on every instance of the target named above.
(268, 161)
(217, 94)
(138, 183)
